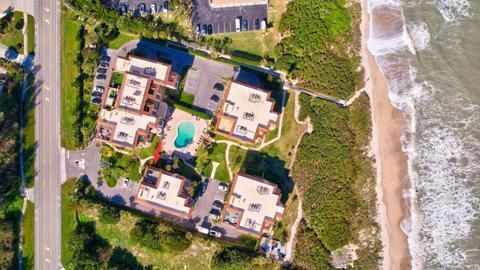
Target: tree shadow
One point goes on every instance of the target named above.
(270, 168)
(123, 259)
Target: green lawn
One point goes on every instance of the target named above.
(12, 36)
(187, 98)
(291, 132)
(119, 165)
(68, 219)
(192, 111)
(121, 39)
(117, 79)
(69, 97)
(149, 151)
(204, 160)
(29, 145)
(28, 236)
(31, 33)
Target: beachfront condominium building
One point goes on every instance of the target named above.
(253, 205)
(246, 113)
(164, 192)
(132, 114)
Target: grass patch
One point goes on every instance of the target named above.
(12, 34)
(209, 154)
(192, 111)
(121, 39)
(187, 98)
(116, 165)
(117, 79)
(245, 41)
(291, 132)
(29, 144)
(146, 152)
(28, 236)
(68, 219)
(31, 33)
(69, 96)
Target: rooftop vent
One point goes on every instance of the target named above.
(149, 70)
(248, 116)
(127, 120)
(254, 207)
(242, 130)
(161, 195)
(262, 190)
(166, 185)
(133, 82)
(255, 98)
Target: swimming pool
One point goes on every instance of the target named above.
(185, 134)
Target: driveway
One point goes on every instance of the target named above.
(83, 162)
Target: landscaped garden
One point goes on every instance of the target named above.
(116, 165)
(206, 155)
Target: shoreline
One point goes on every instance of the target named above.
(391, 163)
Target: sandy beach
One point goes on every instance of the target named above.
(391, 162)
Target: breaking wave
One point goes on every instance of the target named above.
(454, 10)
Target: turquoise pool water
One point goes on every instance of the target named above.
(186, 132)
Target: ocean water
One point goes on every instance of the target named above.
(429, 51)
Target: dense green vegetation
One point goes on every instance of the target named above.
(316, 48)
(11, 35)
(336, 181)
(28, 236)
(116, 165)
(147, 26)
(140, 241)
(10, 200)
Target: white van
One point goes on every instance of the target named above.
(237, 24)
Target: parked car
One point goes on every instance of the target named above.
(204, 29)
(99, 88)
(102, 70)
(104, 64)
(215, 234)
(218, 205)
(203, 230)
(101, 77)
(237, 24)
(105, 58)
(197, 29)
(165, 6)
(214, 214)
(123, 9)
(125, 183)
(245, 25)
(257, 24)
(222, 187)
(153, 8)
(204, 186)
(141, 9)
(209, 29)
(96, 100)
(96, 94)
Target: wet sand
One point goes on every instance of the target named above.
(391, 162)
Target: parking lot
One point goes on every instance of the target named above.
(204, 81)
(102, 76)
(133, 6)
(222, 20)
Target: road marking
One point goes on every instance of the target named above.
(46, 99)
(46, 20)
(46, 9)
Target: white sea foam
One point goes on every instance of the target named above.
(440, 200)
(419, 34)
(454, 10)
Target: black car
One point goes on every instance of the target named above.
(257, 24)
(245, 25)
(104, 64)
(204, 29)
(96, 94)
(101, 77)
(218, 86)
(96, 100)
(105, 58)
(209, 29)
(217, 205)
(102, 70)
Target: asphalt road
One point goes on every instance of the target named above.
(47, 134)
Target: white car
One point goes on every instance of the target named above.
(222, 187)
(203, 230)
(125, 183)
(99, 89)
(153, 8)
(215, 234)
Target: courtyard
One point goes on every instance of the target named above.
(183, 134)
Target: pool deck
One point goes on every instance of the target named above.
(171, 130)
